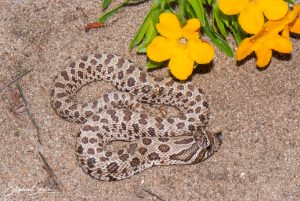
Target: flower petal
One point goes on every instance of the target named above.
(274, 9)
(190, 30)
(181, 65)
(280, 44)
(263, 56)
(286, 33)
(232, 7)
(251, 18)
(244, 49)
(295, 26)
(169, 26)
(201, 52)
(159, 49)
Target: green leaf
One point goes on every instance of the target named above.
(214, 37)
(218, 18)
(181, 11)
(105, 4)
(225, 21)
(140, 34)
(107, 15)
(150, 34)
(237, 31)
(137, 39)
(135, 2)
(290, 1)
(153, 64)
(221, 19)
(190, 11)
(209, 2)
(218, 41)
(162, 4)
(199, 10)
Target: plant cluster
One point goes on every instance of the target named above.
(171, 31)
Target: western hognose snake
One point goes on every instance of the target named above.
(178, 139)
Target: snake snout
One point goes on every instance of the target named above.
(209, 140)
(218, 139)
(215, 141)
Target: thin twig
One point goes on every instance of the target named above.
(49, 171)
(27, 107)
(153, 194)
(93, 25)
(15, 79)
(82, 12)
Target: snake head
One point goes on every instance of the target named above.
(210, 143)
(216, 140)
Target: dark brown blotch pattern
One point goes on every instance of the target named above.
(163, 139)
(84, 140)
(95, 118)
(113, 167)
(164, 148)
(130, 69)
(80, 149)
(65, 75)
(127, 115)
(93, 61)
(120, 62)
(151, 131)
(142, 150)
(153, 156)
(135, 162)
(146, 141)
(136, 128)
(57, 104)
(81, 65)
(184, 141)
(131, 82)
(91, 162)
(91, 151)
(124, 157)
(80, 74)
(143, 119)
(59, 85)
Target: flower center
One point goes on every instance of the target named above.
(182, 41)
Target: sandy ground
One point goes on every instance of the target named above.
(258, 112)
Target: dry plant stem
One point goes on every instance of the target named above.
(18, 77)
(16, 106)
(93, 25)
(27, 107)
(49, 170)
(153, 194)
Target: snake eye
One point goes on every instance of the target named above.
(209, 148)
(219, 136)
(219, 139)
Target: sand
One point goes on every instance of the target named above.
(258, 112)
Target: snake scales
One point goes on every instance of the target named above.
(153, 141)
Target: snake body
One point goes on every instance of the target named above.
(153, 141)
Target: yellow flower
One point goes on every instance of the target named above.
(252, 12)
(274, 36)
(182, 46)
(295, 26)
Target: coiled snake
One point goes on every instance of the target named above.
(153, 141)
